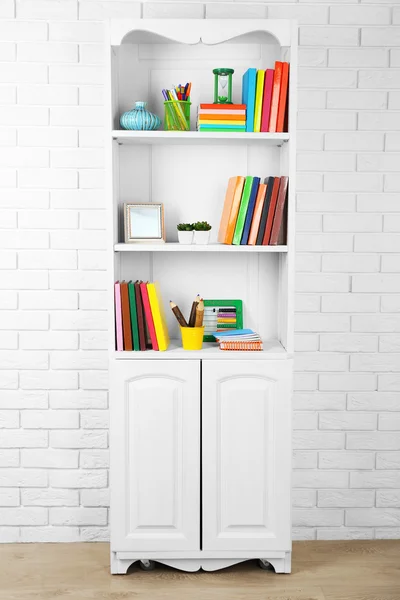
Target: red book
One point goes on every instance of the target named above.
(271, 212)
(283, 98)
(148, 315)
(266, 108)
(140, 317)
(224, 106)
(126, 317)
(280, 206)
(276, 88)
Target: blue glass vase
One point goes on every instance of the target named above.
(140, 119)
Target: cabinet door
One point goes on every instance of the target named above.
(246, 428)
(155, 455)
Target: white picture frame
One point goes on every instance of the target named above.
(144, 223)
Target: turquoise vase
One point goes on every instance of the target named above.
(140, 119)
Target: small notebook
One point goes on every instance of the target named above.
(239, 339)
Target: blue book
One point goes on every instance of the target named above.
(250, 211)
(249, 96)
(233, 332)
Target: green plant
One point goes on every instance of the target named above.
(202, 226)
(185, 227)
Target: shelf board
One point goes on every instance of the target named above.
(176, 247)
(197, 137)
(273, 350)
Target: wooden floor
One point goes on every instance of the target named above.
(360, 570)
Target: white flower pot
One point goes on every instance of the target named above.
(185, 237)
(202, 237)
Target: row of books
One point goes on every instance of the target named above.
(254, 213)
(238, 339)
(265, 93)
(221, 117)
(140, 322)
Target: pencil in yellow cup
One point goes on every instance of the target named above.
(199, 314)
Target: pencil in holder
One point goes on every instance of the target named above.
(177, 115)
(192, 337)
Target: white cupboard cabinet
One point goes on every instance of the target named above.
(155, 471)
(246, 455)
(241, 463)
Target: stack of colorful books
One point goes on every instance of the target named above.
(265, 94)
(140, 322)
(254, 213)
(238, 339)
(221, 117)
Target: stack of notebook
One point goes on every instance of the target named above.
(221, 117)
(238, 339)
(265, 94)
(254, 213)
(140, 322)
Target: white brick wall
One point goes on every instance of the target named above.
(53, 379)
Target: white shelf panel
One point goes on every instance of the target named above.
(273, 350)
(176, 247)
(197, 137)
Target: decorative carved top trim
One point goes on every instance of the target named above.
(194, 31)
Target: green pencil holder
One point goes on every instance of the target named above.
(177, 115)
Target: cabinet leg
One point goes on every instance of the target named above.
(281, 565)
(119, 566)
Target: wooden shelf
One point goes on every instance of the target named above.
(175, 247)
(197, 137)
(273, 350)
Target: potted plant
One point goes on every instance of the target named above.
(202, 232)
(185, 233)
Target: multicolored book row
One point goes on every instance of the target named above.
(140, 322)
(254, 213)
(265, 94)
(221, 117)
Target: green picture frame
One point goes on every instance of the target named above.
(215, 304)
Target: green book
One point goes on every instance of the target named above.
(241, 218)
(134, 322)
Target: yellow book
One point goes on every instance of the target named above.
(259, 100)
(157, 310)
(221, 122)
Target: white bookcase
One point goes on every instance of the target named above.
(200, 441)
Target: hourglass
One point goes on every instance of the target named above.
(223, 86)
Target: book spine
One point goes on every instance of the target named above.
(118, 318)
(275, 97)
(148, 315)
(283, 99)
(269, 77)
(126, 317)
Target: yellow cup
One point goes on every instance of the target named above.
(192, 338)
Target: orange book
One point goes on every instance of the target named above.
(276, 88)
(207, 117)
(230, 211)
(280, 122)
(271, 211)
(126, 317)
(255, 223)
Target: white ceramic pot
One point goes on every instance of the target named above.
(185, 237)
(202, 237)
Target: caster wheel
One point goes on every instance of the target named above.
(264, 564)
(147, 565)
